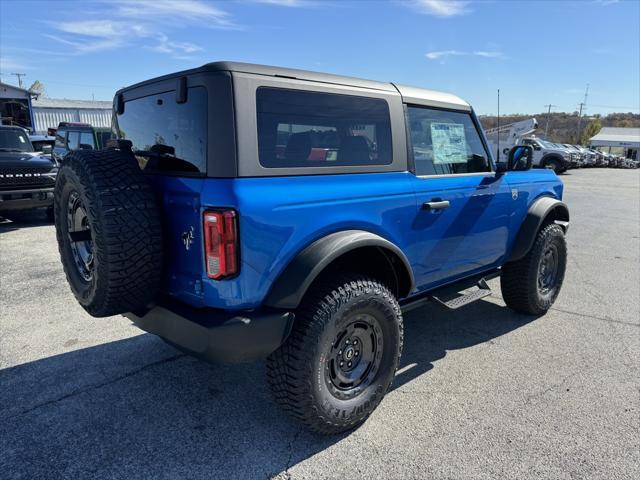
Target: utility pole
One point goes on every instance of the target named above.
(582, 105)
(498, 132)
(546, 128)
(19, 75)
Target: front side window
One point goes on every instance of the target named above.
(61, 140)
(445, 142)
(167, 136)
(311, 129)
(73, 138)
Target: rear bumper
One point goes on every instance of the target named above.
(25, 199)
(217, 335)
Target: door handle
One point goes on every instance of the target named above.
(439, 205)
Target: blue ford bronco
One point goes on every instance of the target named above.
(245, 212)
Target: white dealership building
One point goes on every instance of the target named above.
(49, 112)
(618, 139)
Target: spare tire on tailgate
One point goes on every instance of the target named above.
(108, 231)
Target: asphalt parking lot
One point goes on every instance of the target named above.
(482, 393)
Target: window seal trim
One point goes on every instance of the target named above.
(472, 174)
(367, 97)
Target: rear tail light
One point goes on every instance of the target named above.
(221, 243)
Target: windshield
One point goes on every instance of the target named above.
(12, 140)
(546, 144)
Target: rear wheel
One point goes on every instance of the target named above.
(532, 284)
(108, 231)
(341, 357)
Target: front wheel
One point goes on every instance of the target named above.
(341, 356)
(531, 285)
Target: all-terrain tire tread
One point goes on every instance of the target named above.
(125, 225)
(289, 368)
(518, 279)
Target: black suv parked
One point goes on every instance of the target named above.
(27, 177)
(79, 136)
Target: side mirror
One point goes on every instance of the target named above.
(520, 158)
(537, 147)
(46, 149)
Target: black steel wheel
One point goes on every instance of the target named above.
(341, 356)
(548, 269)
(355, 356)
(79, 233)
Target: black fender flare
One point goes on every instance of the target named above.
(542, 211)
(291, 285)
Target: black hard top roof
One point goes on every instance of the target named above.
(271, 71)
(414, 95)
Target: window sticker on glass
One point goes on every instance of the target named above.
(449, 143)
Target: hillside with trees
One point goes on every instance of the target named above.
(563, 127)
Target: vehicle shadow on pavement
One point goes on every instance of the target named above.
(431, 331)
(18, 220)
(138, 408)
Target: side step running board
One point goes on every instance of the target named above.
(449, 296)
(464, 299)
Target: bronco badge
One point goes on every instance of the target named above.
(187, 238)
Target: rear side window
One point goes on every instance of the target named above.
(167, 136)
(445, 142)
(86, 141)
(310, 129)
(103, 137)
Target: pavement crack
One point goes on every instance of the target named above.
(285, 475)
(595, 317)
(80, 391)
(540, 393)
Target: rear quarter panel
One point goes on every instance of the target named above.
(280, 216)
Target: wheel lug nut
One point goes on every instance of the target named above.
(356, 353)
(349, 364)
(341, 364)
(355, 342)
(339, 352)
(347, 342)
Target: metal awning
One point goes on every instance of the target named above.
(617, 137)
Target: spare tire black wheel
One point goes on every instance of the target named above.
(108, 230)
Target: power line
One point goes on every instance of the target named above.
(80, 84)
(615, 107)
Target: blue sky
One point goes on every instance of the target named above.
(536, 52)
